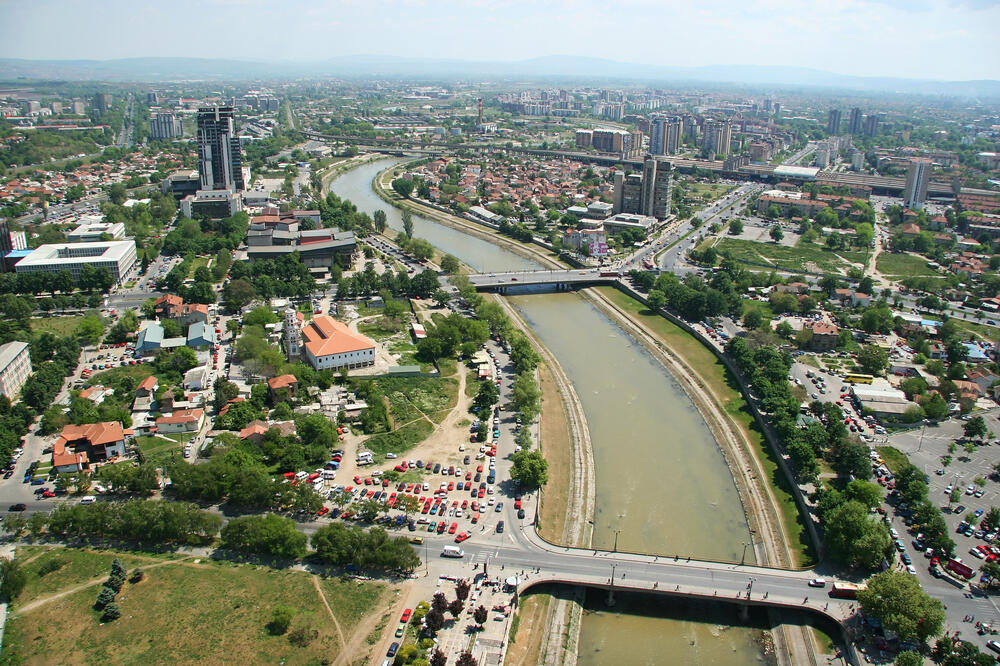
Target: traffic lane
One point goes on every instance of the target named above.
(788, 586)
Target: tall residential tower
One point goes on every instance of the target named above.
(220, 160)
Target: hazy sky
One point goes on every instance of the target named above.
(947, 39)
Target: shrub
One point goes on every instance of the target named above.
(281, 619)
(302, 637)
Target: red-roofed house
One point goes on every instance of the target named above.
(147, 387)
(90, 443)
(283, 383)
(331, 344)
(170, 306)
(95, 394)
(182, 420)
(825, 336)
(256, 430)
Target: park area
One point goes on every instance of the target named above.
(185, 609)
(807, 257)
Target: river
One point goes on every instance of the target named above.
(662, 484)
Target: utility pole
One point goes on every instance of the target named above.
(611, 590)
(744, 557)
(617, 532)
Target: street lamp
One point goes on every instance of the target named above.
(617, 532)
(750, 587)
(744, 557)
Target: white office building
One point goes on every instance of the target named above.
(15, 367)
(92, 230)
(118, 257)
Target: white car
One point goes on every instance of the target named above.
(390, 455)
(911, 569)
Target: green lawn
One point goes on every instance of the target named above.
(139, 372)
(61, 326)
(792, 259)
(903, 265)
(158, 451)
(722, 384)
(181, 612)
(707, 191)
(894, 458)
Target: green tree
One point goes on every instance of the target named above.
(776, 233)
(379, 220)
(13, 578)
(897, 599)
(736, 227)
(111, 613)
(873, 359)
(975, 428)
(450, 264)
(855, 537)
(407, 223)
(909, 658)
(753, 319)
(403, 186)
(530, 469)
(269, 534)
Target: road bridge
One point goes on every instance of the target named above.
(565, 279)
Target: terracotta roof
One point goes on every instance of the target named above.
(148, 384)
(281, 381)
(88, 392)
(325, 336)
(823, 328)
(106, 432)
(181, 416)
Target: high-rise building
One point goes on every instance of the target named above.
(102, 102)
(57, 107)
(915, 189)
(152, 98)
(584, 138)
(619, 192)
(871, 124)
(656, 184)
(79, 109)
(833, 122)
(220, 162)
(777, 109)
(718, 136)
(613, 141)
(854, 122)
(673, 139)
(658, 136)
(726, 138)
(165, 125)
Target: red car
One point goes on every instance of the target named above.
(453, 528)
(368, 481)
(405, 617)
(323, 511)
(440, 527)
(48, 493)
(517, 504)
(462, 537)
(482, 493)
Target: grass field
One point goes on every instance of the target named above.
(722, 384)
(801, 258)
(903, 265)
(182, 612)
(61, 326)
(707, 191)
(893, 457)
(158, 451)
(139, 372)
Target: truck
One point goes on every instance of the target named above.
(452, 551)
(365, 458)
(956, 566)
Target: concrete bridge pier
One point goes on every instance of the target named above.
(610, 601)
(744, 612)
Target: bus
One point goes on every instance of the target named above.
(856, 378)
(846, 590)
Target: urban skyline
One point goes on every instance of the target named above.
(852, 37)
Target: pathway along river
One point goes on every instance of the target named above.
(661, 480)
